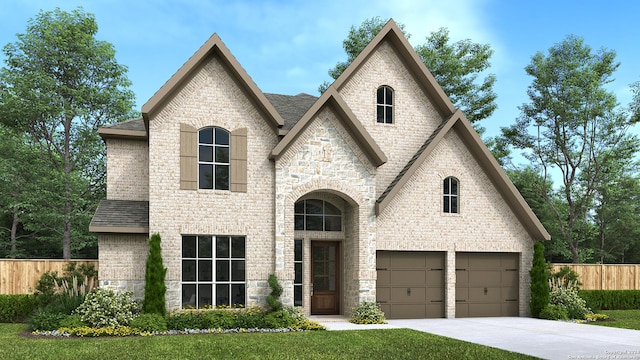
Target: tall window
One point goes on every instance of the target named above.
(385, 105)
(297, 264)
(213, 271)
(317, 215)
(450, 200)
(213, 159)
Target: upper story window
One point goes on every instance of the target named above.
(317, 215)
(213, 159)
(385, 105)
(450, 197)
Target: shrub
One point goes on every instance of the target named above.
(220, 319)
(86, 331)
(566, 277)
(104, 307)
(307, 324)
(539, 281)
(45, 320)
(276, 290)
(154, 287)
(149, 323)
(17, 308)
(278, 320)
(186, 319)
(554, 312)
(367, 313)
(72, 321)
(611, 299)
(250, 318)
(568, 298)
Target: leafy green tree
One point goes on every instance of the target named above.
(154, 287)
(59, 85)
(456, 66)
(572, 129)
(539, 281)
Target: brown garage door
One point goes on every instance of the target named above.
(486, 284)
(410, 284)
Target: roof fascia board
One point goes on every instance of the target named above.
(425, 79)
(332, 98)
(122, 134)
(119, 229)
(213, 46)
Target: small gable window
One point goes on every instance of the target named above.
(385, 105)
(450, 198)
(213, 159)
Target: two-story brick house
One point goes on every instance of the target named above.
(378, 190)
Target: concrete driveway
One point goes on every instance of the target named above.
(541, 338)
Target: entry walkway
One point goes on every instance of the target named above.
(541, 338)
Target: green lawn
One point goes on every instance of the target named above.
(360, 344)
(627, 319)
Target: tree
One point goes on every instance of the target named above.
(456, 66)
(59, 85)
(573, 129)
(154, 286)
(539, 281)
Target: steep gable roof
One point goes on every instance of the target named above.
(458, 122)
(392, 33)
(212, 47)
(349, 120)
(291, 107)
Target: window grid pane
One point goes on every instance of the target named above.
(298, 278)
(450, 195)
(213, 159)
(317, 215)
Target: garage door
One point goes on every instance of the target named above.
(486, 284)
(410, 284)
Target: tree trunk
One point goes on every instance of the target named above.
(66, 236)
(14, 232)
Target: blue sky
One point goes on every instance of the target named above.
(287, 46)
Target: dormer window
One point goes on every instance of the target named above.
(385, 105)
(450, 197)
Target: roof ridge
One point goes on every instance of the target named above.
(413, 159)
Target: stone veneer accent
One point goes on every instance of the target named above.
(127, 169)
(485, 222)
(325, 161)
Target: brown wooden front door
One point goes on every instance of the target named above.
(325, 296)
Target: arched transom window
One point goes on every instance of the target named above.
(450, 197)
(317, 215)
(385, 105)
(213, 159)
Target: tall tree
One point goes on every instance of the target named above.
(456, 66)
(572, 129)
(61, 83)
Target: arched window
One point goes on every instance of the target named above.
(450, 197)
(317, 215)
(213, 158)
(385, 105)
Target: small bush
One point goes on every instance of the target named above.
(149, 323)
(220, 319)
(307, 324)
(568, 298)
(186, 319)
(104, 307)
(86, 331)
(16, 308)
(71, 321)
(276, 290)
(279, 320)
(611, 299)
(46, 320)
(367, 313)
(250, 318)
(554, 312)
(596, 317)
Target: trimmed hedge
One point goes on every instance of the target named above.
(16, 308)
(611, 299)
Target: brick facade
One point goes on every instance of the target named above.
(324, 160)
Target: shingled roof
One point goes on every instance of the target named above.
(121, 216)
(132, 128)
(291, 107)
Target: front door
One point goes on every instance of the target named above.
(325, 267)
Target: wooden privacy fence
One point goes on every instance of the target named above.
(605, 276)
(20, 276)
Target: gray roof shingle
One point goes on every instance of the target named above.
(121, 216)
(291, 107)
(136, 124)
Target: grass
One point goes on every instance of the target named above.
(359, 344)
(626, 319)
